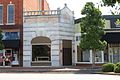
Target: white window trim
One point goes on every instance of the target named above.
(2, 14)
(14, 15)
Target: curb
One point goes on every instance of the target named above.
(108, 73)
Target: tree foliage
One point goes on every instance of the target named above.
(1, 43)
(92, 28)
(110, 2)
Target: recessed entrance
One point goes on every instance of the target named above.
(41, 51)
(67, 52)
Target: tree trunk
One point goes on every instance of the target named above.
(93, 58)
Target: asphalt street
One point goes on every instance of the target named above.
(39, 76)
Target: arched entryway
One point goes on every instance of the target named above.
(41, 51)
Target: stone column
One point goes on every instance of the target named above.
(55, 59)
(102, 56)
(90, 56)
(27, 54)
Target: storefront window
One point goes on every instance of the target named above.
(114, 54)
(98, 57)
(83, 56)
(41, 53)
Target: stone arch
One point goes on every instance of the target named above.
(41, 51)
(40, 39)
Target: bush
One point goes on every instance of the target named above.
(117, 68)
(117, 64)
(109, 67)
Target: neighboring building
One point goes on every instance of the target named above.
(35, 5)
(49, 38)
(11, 23)
(111, 53)
(84, 58)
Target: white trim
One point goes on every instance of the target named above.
(10, 23)
(2, 24)
(41, 43)
(40, 61)
(2, 14)
(83, 63)
(14, 15)
(91, 56)
(102, 56)
(42, 66)
(89, 63)
(5, 66)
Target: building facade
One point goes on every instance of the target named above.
(110, 54)
(49, 38)
(84, 58)
(11, 23)
(112, 29)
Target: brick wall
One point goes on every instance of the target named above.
(18, 10)
(18, 21)
(35, 5)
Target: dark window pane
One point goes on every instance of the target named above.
(1, 14)
(11, 14)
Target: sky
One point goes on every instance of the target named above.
(76, 6)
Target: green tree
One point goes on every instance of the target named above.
(92, 30)
(115, 4)
(110, 2)
(1, 43)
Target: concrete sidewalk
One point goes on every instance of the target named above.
(63, 70)
(49, 69)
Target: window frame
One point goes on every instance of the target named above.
(2, 14)
(8, 14)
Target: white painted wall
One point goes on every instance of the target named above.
(55, 27)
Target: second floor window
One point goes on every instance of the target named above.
(11, 13)
(1, 14)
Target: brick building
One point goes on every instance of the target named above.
(11, 23)
(35, 5)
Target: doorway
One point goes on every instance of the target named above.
(67, 52)
(6, 57)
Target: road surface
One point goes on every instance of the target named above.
(47, 76)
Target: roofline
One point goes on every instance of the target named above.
(104, 16)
